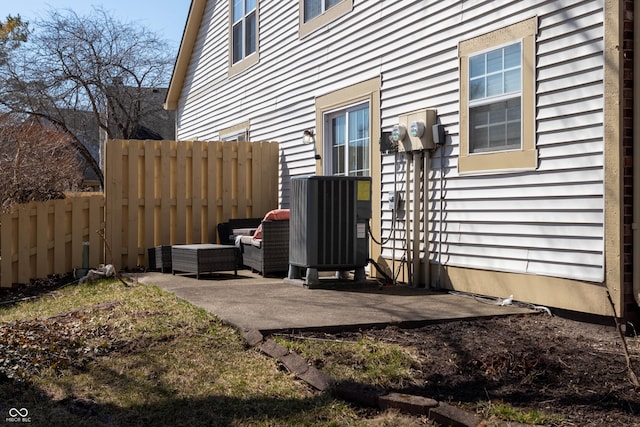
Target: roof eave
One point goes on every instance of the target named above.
(189, 37)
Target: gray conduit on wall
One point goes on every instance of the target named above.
(439, 283)
(426, 221)
(394, 216)
(636, 154)
(415, 223)
(407, 215)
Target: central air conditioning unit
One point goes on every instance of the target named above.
(329, 226)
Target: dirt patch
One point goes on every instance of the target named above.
(573, 370)
(34, 289)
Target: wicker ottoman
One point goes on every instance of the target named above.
(160, 258)
(203, 258)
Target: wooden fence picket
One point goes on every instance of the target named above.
(43, 238)
(196, 185)
(156, 193)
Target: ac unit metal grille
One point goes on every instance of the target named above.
(336, 221)
(328, 214)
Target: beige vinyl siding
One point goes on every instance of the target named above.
(548, 221)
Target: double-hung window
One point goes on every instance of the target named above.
(315, 14)
(244, 33)
(497, 100)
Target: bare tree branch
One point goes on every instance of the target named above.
(36, 163)
(90, 63)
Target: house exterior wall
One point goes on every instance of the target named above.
(547, 222)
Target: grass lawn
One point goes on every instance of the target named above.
(104, 354)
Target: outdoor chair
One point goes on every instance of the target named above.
(267, 251)
(228, 231)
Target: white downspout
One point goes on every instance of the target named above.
(636, 154)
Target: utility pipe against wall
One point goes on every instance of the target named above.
(636, 156)
(394, 216)
(440, 217)
(407, 215)
(425, 209)
(415, 223)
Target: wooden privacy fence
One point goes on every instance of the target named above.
(168, 192)
(42, 238)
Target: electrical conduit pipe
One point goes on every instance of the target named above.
(407, 218)
(415, 223)
(636, 154)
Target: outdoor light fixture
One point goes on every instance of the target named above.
(308, 137)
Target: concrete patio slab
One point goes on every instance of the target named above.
(249, 301)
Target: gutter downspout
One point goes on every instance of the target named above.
(636, 152)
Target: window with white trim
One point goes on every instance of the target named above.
(238, 132)
(313, 8)
(495, 99)
(347, 141)
(315, 14)
(244, 31)
(239, 136)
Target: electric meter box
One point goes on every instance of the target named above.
(419, 136)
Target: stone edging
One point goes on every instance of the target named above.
(439, 412)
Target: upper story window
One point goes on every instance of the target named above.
(315, 14)
(497, 100)
(313, 8)
(244, 29)
(243, 35)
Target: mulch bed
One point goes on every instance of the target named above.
(571, 369)
(34, 288)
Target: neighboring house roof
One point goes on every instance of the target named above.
(153, 122)
(85, 127)
(143, 132)
(81, 124)
(192, 27)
